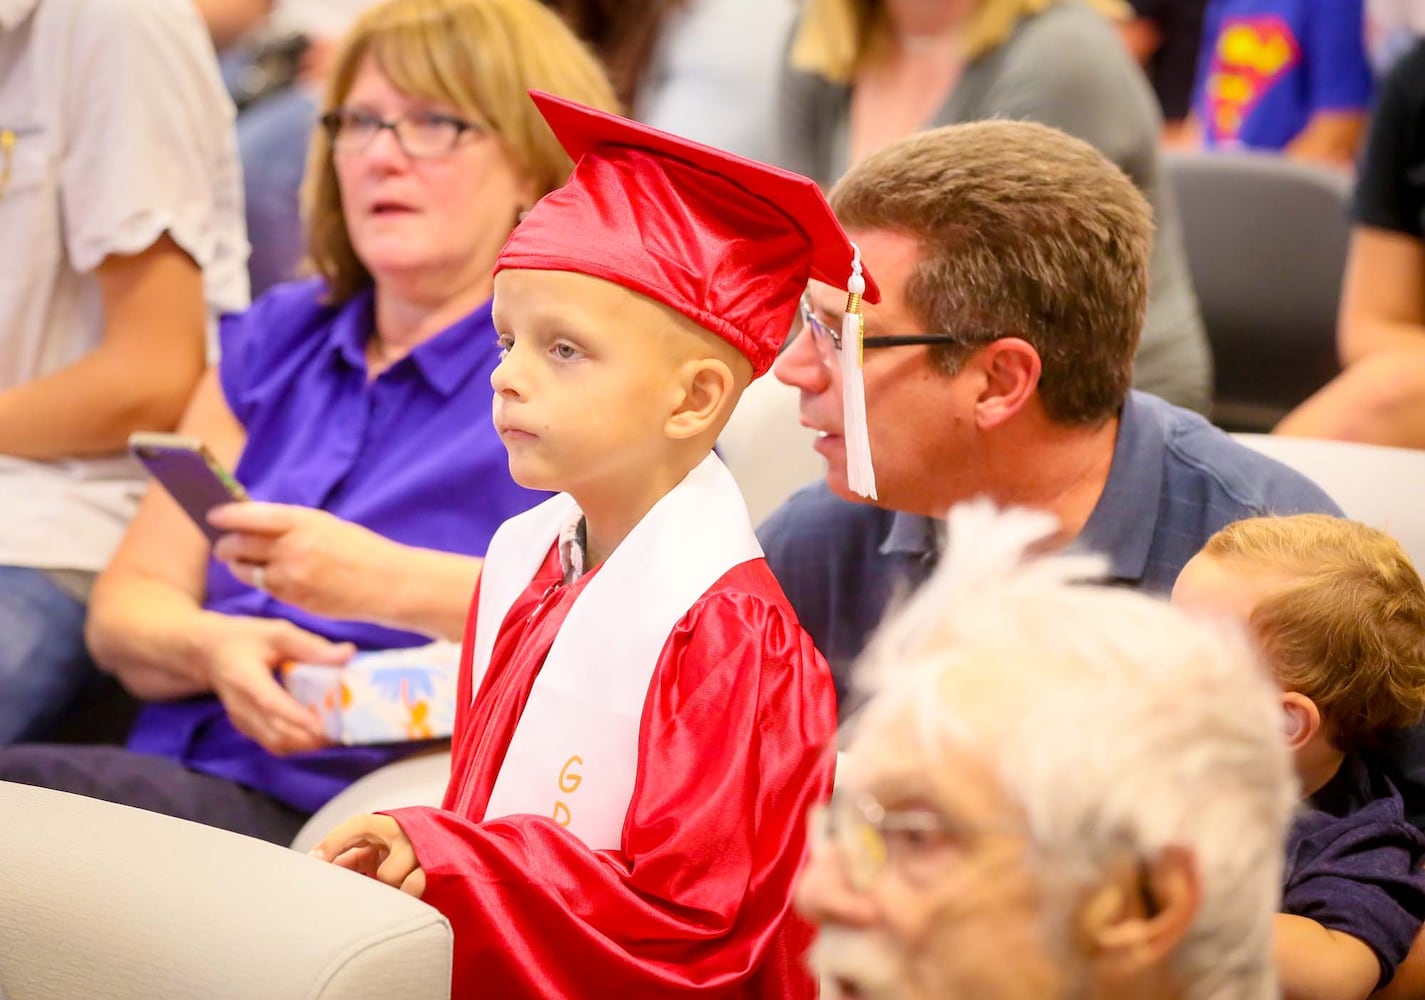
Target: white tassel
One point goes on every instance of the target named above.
(860, 475)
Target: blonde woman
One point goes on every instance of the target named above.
(863, 73)
(356, 408)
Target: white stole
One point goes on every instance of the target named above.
(574, 754)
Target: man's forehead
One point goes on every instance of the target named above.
(892, 758)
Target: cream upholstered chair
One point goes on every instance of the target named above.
(1383, 487)
(414, 781)
(767, 450)
(106, 902)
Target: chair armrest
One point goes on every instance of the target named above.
(108, 902)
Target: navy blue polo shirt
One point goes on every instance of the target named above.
(1175, 480)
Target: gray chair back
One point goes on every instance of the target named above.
(1266, 242)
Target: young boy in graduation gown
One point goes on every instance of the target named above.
(643, 723)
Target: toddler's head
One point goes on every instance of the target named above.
(1338, 612)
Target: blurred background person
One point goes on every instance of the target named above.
(1392, 29)
(1057, 790)
(1288, 75)
(1163, 36)
(864, 73)
(122, 238)
(279, 74)
(703, 69)
(1379, 397)
(357, 405)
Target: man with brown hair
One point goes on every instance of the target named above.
(1013, 267)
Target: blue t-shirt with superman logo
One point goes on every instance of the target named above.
(1267, 66)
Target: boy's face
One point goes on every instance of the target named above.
(587, 382)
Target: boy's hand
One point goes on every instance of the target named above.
(377, 847)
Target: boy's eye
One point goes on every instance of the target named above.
(504, 343)
(565, 352)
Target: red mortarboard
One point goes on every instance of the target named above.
(724, 240)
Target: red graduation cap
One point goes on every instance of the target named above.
(726, 241)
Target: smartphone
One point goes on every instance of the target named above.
(189, 472)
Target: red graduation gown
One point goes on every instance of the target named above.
(735, 744)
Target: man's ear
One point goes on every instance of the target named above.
(1011, 369)
(709, 391)
(1132, 923)
(1301, 719)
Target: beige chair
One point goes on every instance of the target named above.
(1383, 487)
(414, 781)
(105, 902)
(765, 447)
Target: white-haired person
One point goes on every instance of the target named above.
(1056, 789)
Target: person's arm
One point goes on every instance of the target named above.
(229, 20)
(1315, 963)
(138, 377)
(1329, 138)
(147, 625)
(1142, 37)
(1383, 299)
(331, 567)
(1340, 84)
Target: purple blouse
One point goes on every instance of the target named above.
(412, 455)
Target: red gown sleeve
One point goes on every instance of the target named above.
(735, 744)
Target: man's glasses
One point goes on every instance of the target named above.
(829, 336)
(871, 837)
(420, 135)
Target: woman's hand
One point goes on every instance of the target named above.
(305, 557)
(241, 655)
(378, 848)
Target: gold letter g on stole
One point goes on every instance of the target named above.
(569, 781)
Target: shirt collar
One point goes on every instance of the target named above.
(1115, 528)
(445, 361)
(573, 546)
(1125, 518)
(12, 12)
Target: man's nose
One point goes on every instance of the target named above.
(824, 895)
(800, 365)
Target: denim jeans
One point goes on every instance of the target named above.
(43, 662)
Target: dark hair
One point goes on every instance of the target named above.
(622, 33)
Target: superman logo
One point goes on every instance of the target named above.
(1252, 53)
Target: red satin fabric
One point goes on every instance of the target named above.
(735, 745)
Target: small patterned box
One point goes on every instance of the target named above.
(392, 696)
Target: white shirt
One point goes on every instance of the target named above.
(122, 131)
(318, 18)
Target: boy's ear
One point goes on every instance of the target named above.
(709, 390)
(1301, 719)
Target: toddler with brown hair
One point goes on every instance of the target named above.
(1339, 614)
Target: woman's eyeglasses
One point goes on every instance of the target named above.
(420, 135)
